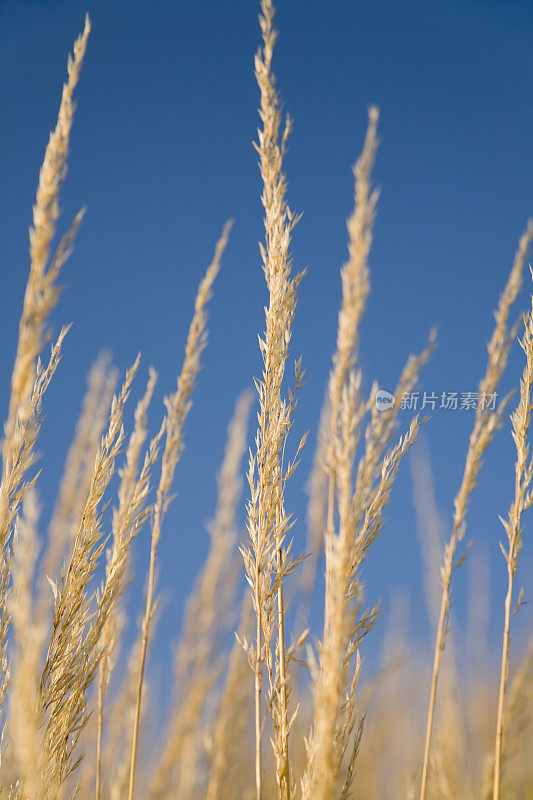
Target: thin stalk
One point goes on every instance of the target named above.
(439, 649)
(503, 685)
(178, 406)
(99, 724)
(487, 423)
(330, 525)
(285, 778)
(513, 527)
(257, 678)
(144, 644)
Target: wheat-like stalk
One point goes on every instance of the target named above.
(355, 279)
(523, 498)
(29, 634)
(121, 716)
(355, 275)
(73, 653)
(78, 470)
(127, 520)
(345, 624)
(29, 381)
(267, 559)
(341, 424)
(42, 291)
(487, 423)
(177, 406)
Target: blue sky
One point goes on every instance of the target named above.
(162, 155)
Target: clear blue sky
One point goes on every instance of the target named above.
(162, 155)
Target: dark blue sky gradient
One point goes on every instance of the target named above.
(162, 156)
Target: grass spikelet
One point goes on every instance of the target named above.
(487, 423)
(355, 274)
(79, 466)
(41, 290)
(73, 653)
(128, 518)
(523, 498)
(355, 279)
(28, 381)
(178, 406)
(14, 489)
(343, 415)
(267, 559)
(345, 623)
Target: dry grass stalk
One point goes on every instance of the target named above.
(74, 652)
(518, 719)
(345, 625)
(209, 615)
(29, 634)
(383, 425)
(355, 274)
(41, 291)
(125, 517)
(449, 773)
(28, 381)
(355, 279)
(25, 437)
(121, 716)
(78, 469)
(333, 721)
(523, 498)
(267, 559)
(487, 423)
(178, 406)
